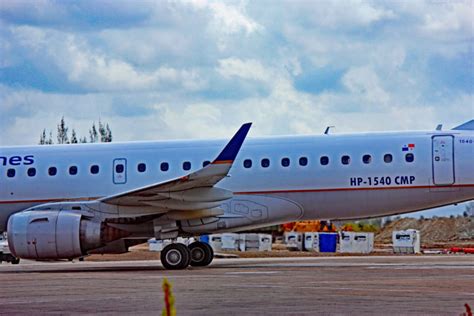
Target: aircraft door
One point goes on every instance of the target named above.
(120, 171)
(443, 160)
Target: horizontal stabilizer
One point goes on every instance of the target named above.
(468, 126)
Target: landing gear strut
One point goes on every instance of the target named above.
(178, 256)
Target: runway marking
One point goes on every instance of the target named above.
(253, 272)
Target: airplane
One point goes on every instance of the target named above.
(68, 201)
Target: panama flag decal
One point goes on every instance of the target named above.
(408, 147)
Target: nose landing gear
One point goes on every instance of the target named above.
(178, 256)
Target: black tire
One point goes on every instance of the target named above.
(201, 254)
(175, 257)
(15, 261)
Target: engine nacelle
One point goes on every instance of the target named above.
(52, 235)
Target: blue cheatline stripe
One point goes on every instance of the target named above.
(231, 150)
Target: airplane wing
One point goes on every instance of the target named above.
(194, 191)
(468, 126)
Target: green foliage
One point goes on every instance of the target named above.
(104, 134)
(367, 226)
(62, 132)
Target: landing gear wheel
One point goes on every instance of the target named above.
(15, 261)
(175, 257)
(201, 254)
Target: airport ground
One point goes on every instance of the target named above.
(344, 285)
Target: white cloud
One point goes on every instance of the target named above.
(227, 21)
(226, 18)
(365, 82)
(96, 71)
(246, 69)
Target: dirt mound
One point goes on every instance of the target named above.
(432, 230)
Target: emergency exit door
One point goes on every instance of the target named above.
(443, 160)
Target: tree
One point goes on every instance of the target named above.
(62, 132)
(109, 134)
(50, 139)
(74, 137)
(93, 135)
(43, 137)
(102, 134)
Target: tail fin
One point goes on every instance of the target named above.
(468, 126)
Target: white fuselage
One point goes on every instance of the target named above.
(381, 183)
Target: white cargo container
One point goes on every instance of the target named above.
(311, 241)
(406, 241)
(255, 242)
(356, 242)
(294, 241)
(155, 245)
(230, 241)
(158, 245)
(265, 242)
(215, 241)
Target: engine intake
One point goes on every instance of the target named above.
(52, 235)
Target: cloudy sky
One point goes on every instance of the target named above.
(194, 69)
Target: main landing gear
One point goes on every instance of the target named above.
(178, 256)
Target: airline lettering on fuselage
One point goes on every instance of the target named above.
(17, 160)
(380, 181)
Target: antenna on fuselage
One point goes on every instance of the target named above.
(326, 132)
(439, 127)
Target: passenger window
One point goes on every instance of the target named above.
(164, 166)
(285, 162)
(141, 167)
(94, 169)
(247, 163)
(324, 160)
(205, 163)
(367, 159)
(31, 172)
(409, 157)
(11, 173)
(119, 168)
(72, 170)
(265, 162)
(387, 158)
(186, 165)
(345, 160)
(52, 171)
(303, 161)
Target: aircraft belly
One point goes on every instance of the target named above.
(248, 211)
(373, 203)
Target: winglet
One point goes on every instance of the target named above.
(232, 148)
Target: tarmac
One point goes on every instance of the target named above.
(372, 285)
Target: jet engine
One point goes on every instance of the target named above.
(56, 234)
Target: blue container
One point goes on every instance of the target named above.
(204, 238)
(327, 242)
